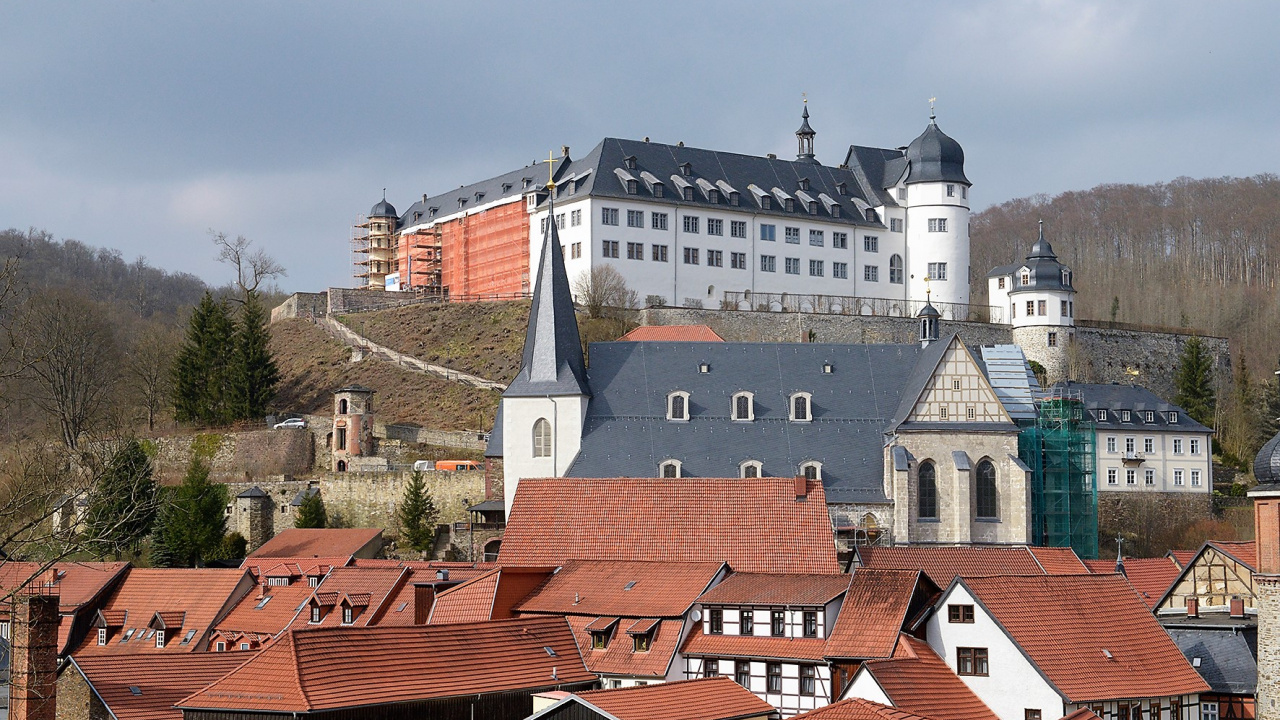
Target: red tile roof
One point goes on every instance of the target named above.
(916, 680)
(317, 543)
(1245, 552)
(756, 525)
(776, 589)
(942, 564)
(619, 656)
(1081, 714)
(672, 333)
(872, 614)
(753, 646)
(282, 606)
(1058, 561)
(334, 668)
(203, 594)
(859, 709)
(292, 567)
(161, 680)
(637, 589)
(79, 584)
(491, 596)
(1150, 577)
(1064, 624)
(718, 698)
(365, 588)
(1182, 557)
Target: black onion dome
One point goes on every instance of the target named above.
(935, 157)
(929, 311)
(1266, 467)
(383, 209)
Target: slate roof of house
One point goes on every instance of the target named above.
(700, 644)
(942, 564)
(79, 586)
(1150, 577)
(626, 432)
(859, 709)
(334, 668)
(554, 520)
(873, 613)
(317, 543)
(776, 589)
(268, 611)
(1136, 399)
(916, 680)
(623, 588)
(1227, 657)
(1011, 378)
(672, 333)
(619, 656)
(203, 594)
(1266, 464)
(492, 596)
(717, 698)
(161, 681)
(1067, 624)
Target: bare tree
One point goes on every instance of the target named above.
(148, 365)
(603, 287)
(253, 267)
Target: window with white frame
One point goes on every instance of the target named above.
(1195, 478)
(793, 266)
(608, 216)
(715, 226)
(1177, 446)
(1149, 476)
(744, 407)
(768, 263)
(815, 268)
(635, 218)
(1129, 444)
(658, 221)
(799, 407)
(1111, 443)
(1173, 417)
(575, 217)
(160, 638)
(659, 253)
(1195, 446)
(678, 406)
(871, 273)
(691, 223)
(895, 269)
(738, 261)
(840, 270)
(737, 228)
(1124, 416)
(1102, 416)
(1208, 710)
(1111, 476)
(669, 469)
(811, 470)
(1177, 476)
(839, 240)
(102, 636)
(937, 271)
(1130, 477)
(1149, 416)
(751, 469)
(1148, 445)
(541, 438)
(871, 243)
(937, 224)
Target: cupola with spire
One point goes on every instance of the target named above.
(804, 137)
(383, 209)
(935, 157)
(929, 319)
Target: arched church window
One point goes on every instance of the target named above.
(541, 438)
(743, 407)
(678, 406)
(987, 501)
(895, 269)
(928, 493)
(670, 469)
(800, 410)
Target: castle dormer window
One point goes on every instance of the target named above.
(658, 189)
(835, 211)
(713, 196)
(751, 469)
(632, 187)
(630, 162)
(686, 169)
(744, 407)
(735, 199)
(800, 407)
(842, 188)
(1173, 417)
(541, 438)
(688, 193)
(1026, 278)
(506, 186)
(479, 196)
(811, 470)
(669, 469)
(766, 203)
(678, 406)
(789, 205)
(804, 183)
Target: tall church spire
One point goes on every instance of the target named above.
(552, 363)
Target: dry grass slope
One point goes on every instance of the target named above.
(313, 365)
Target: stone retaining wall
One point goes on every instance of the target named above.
(233, 456)
(302, 304)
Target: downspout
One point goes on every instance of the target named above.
(555, 436)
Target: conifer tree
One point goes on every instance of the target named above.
(254, 374)
(192, 524)
(201, 369)
(311, 513)
(417, 514)
(123, 504)
(1194, 382)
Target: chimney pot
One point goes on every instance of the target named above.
(442, 574)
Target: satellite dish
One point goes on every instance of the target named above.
(696, 616)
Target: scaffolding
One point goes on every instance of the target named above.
(1059, 449)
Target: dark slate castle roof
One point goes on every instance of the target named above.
(1266, 466)
(934, 157)
(1137, 400)
(1227, 656)
(626, 432)
(509, 185)
(1046, 272)
(383, 209)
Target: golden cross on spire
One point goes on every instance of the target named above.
(551, 161)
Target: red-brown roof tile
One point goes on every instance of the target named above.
(718, 698)
(619, 656)
(859, 709)
(1063, 624)
(332, 668)
(317, 543)
(293, 567)
(365, 588)
(1150, 577)
(753, 646)
(776, 589)
(1245, 552)
(1081, 714)
(252, 615)
(160, 680)
(642, 626)
(872, 614)
(1058, 561)
(942, 564)
(916, 680)
(79, 586)
(672, 333)
(491, 596)
(600, 624)
(557, 519)
(1182, 557)
(631, 588)
(203, 594)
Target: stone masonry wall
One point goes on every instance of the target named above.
(1268, 590)
(301, 304)
(352, 300)
(234, 455)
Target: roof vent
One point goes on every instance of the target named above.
(646, 138)
(1195, 662)
(680, 144)
(1107, 654)
(772, 156)
(827, 368)
(704, 368)
(442, 574)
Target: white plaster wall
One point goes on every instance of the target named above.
(1014, 685)
(929, 200)
(865, 686)
(998, 299)
(1017, 304)
(566, 415)
(1162, 460)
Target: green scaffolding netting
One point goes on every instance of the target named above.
(1058, 448)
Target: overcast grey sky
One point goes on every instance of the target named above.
(141, 125)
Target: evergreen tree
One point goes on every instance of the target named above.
(311, 514)
(123, 504)
(1194, 383)
(191, 525)
(254, 374)
(201, 371)
(417, 514)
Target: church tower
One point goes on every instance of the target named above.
(935, 192)
(545, 405)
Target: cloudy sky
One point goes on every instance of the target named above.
(143, 125)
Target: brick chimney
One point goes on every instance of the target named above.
(33, 669)
(424, 597)
(802, 488)
(1237, 606)
(1193, 607)
(1266, 580)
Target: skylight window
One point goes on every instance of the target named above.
(262, 603)
(187, 638)
(135, 689)
(402, 606)
(551, 652)
(630, 585)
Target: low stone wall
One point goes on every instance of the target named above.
(233, 456)
(426, 436)
(302, 304)
(352, 300)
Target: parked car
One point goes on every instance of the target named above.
(291, 423)
(455, 465)
(423, 465)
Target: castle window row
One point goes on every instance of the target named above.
(1179, 477)
(747, 469)
(741, 407)
(1147, 416)
(693, 225)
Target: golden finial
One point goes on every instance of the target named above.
(551, 161)
(804, 97)
(932, 100)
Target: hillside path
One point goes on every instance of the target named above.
(349, 337)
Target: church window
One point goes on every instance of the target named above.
(928, 495)
(811, 471)
(895, 269)
(937, 271)
(671, 469)
(800, 407)
(608, 216)
(793, 235)
(541, 438)
(937, 224)
(1040, 308)
(743, 407)
(750, 469)
(678, 406)
(987, 501)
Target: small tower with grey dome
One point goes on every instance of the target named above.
(374, 247)
(1036, 296)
